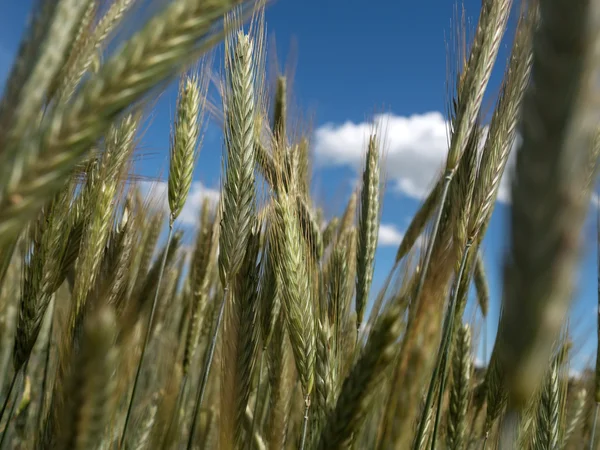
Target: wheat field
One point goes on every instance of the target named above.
(260, 328)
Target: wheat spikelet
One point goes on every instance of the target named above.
(80, 40)
(577, 415)
(121, 268)
(204, 254)
(347, 220)
(310, 228)
(324, 376)
(368, 229)
(501, 135)
(237, 207)
(330, 231)
(354, 400)
(282, 378)
(62, 19)
(89, 395)
(459, 394)
(547, 426)
(339, 292)
(241, 345)
(143, 257)
(119, 144)
(148, 58)
(84, 58)
(269, 290)
(296, 300)
(184, 142)
(280, 112)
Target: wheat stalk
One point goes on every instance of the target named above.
(538, 269)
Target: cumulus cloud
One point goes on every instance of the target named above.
(158, 191)
(389, 236)
(415, 149)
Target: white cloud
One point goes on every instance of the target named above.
(389, 236)
(158, 193)
(414, 147)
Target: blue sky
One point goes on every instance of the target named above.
(352, 60)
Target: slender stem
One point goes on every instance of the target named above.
(485, 352)
(204, 382)
(440, 400)
(593, 438)
(305, 422)
(448, 343)
(177, 408)
(13, 383)
(485, 439)
(444, 345)
(148, 333)
(258, 390)
(5, 404)
(40, 413)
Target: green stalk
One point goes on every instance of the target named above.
(12, 407)
(177, 407)
(593, 438)
(305, 421)
(206, 372)
(441, 359)
(148, 333)
(40, 413)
